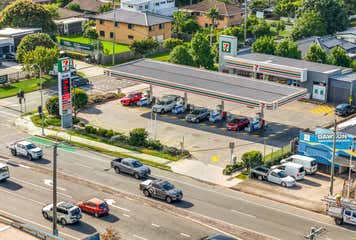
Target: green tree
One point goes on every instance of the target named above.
(144, 46)
(171, 43)
(62, 3)
(265, 45)
(179, 18)
(287, 8)
(289, 49)
(73, 6)
(31, 41)
(261, 29)
(353, 65)
(316, 54)
(27, 14)
(338, 56)
(212, 14)
(52, 106)
(190, 26)
(307, 25)
(331, 12)
(258, 5)
(252, 159)
(233, 31)
(138, 137)
(180, 55)
(53, 9)
(105, 7)
(44, 58)
(79, 100)
(349, 6)
(91, 33)
(201, 51)
(89, 24)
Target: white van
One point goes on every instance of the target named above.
(308, 163)
(294, 170)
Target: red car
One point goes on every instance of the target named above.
(131, 98)
(94, 206)
(238, 123)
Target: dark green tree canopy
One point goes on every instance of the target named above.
(331, 12)
(287, 8)
(261, 29)
(31, 41)
(338, 56)
(180, 55)
(25, 13)
(144, 46)
(307, 25)
(258, 5)
(288, 49)
(316, 54)
(201, 51)
(171, 43)
(190, 26)
(265, 45)
(73, 6)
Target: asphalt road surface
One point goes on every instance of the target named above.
(27, 192)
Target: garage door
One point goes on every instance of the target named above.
(338, 92)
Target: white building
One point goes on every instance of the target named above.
(162, 7)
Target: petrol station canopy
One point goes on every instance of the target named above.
(227, 87)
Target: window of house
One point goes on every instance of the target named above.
(130, 26)
(146, 6)
(162, 3)
(206, 25)
(161, 25)
(130, 37)
(140, 7)
(116, 24)
(130, 6)
(170, 1)
(157, 4)
(102, 33)
(101, 21)
(111, 35)
(150, 28)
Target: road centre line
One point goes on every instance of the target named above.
(242, 213)
(23, 197)
(44, 188)
(125, 215)
(139, 237)
(35, 223)
(155, 225)
(4, 228)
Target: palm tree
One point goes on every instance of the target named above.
(213, 14)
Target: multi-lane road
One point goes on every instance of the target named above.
(205, 209)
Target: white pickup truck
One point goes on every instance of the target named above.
(26, 149)
(342, 215)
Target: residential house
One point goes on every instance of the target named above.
(17, 34)
(89, 6)
(162, 7)
(230, 15)
(348, 35)
(70, 22)
(123, 26)
(328, 43)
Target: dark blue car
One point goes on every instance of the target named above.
(344, 109)
(218, 237)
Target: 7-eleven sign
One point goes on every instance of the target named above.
(64, 64)
(225, 47)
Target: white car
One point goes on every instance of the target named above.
(26, 149)
(165, 104)
(280, 177)
(67, 213)
(310, 165)
(294, 170)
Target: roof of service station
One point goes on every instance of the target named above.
(246, 91)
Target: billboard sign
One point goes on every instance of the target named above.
(76, 45)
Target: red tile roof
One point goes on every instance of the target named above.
(223, 8)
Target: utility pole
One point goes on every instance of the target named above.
(245, 22)
(232, 147)
(333, 159)
(55, 230)
(350, 167)
(314, 232)
(113, 36)
(41, 92)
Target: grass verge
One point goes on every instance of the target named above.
(243, 175)
(113, 153)
(162, 56)
(27, 86)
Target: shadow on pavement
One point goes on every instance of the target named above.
(310, 183)
(82, 227)
(183, 204)
(92, 110)
(110, 218)
(10, 185)
(320, 177)
(42, 161)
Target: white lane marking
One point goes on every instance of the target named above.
(242, 213)
(125, 215)
(49, 182)
(24, 166)
(35, 223)
(139, 237)
(155, 225)
(38, 186)
(23, 197)
(82, 165)
(258, 204)
(185, 235)
(8, 114)
(4, 228)
(111, 203)
(128, 198)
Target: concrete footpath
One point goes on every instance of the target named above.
(189, 167)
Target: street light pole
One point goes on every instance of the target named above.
(41, 91)
(333, 159)
(245, 22)
(54, 181)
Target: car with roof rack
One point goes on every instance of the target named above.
(67, 213)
